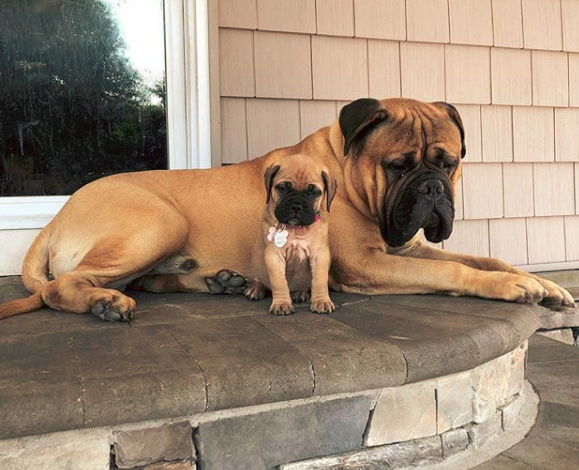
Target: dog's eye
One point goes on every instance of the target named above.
(397, 168)
(314, 190)
(444, 161)
(283, 188)
(448, 166)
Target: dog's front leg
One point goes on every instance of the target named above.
(556, 298)
(320, 266)
(275, 264)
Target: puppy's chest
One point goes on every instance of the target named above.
(296, 250)
(297, 264)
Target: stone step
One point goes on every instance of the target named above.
(217, 380)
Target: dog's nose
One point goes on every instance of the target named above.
(297, 206)
(433, 186)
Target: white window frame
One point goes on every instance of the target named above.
(188, 121)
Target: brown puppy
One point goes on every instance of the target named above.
(396, 163)
(293, 245)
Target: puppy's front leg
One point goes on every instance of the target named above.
(275, 265)
(320, 265)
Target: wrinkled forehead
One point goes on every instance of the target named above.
(419, 128)
(300, 170)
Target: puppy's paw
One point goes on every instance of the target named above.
(281, 308)
(255, 291)
(322, 306)
(300, 296)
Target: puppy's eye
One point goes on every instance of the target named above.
(314, 190)
(283, 188)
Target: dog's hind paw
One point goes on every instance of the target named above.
(108, 311)
(226, 282)
(300, 295)
(255, 291)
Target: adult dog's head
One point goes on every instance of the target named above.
(297, 186)
(405, 161)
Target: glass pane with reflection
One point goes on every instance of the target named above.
(82, 92)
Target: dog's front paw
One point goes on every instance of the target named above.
(281, 308)
(255, 291)
(322, 306)
(511, 287)
(557, 298)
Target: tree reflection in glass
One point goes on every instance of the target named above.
(77, 100)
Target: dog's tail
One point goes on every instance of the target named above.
(35, 266)
(16, 307)
(34, 276)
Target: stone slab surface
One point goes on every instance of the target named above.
(142, 447)
(403, 414)
(84, 449)
(266, 439)
(404, 327)
(40, 387)
(454, 400)
(343, 358)
(187, 353)
(245, 363)
(416, 454)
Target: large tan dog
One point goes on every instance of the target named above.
(396, 163)
(293, 252)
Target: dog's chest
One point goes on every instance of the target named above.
(298, 271)
(297, 250)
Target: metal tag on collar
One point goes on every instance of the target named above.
(278, 236)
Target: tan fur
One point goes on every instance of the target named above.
(118, 230)
(306, 255)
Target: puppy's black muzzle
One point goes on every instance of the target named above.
(296, 209)
(425, 202)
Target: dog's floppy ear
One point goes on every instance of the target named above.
(330, 186)
(455, 116)
(269, 176)
(358, 117)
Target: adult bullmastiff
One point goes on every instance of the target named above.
(396, 162)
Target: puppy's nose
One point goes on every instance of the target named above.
(297, 206)
(432, 186)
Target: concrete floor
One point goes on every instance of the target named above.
(553, 443)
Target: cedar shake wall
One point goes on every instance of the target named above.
(511, 67)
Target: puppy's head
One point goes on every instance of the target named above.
(296, 187)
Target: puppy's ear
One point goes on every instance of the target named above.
(358, 118)
(269, 176)
(455, 116)
(330, 186)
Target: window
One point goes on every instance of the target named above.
(83, 106)
(83, 92)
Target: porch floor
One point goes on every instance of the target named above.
(192, 353)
